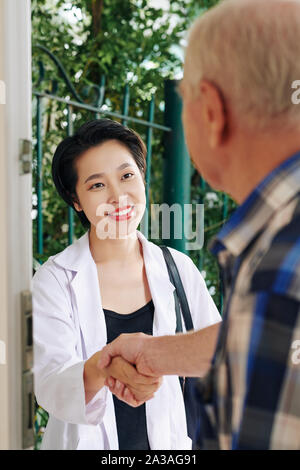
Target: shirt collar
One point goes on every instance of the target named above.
(274, 191)
(76, 255)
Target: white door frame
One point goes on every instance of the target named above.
(15, 210)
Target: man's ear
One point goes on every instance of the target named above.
(213, 112)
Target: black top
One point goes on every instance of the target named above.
(131, 422)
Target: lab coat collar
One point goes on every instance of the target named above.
(77, 255)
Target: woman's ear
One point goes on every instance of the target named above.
(76, 203)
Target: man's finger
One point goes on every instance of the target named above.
(123, 393)
(135, 377)
(126, 396)
(140, 390)
(142, 395)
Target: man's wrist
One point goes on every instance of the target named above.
(154, 349)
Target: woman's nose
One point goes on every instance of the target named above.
(116, 196)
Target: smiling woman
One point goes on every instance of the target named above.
(114, 194)
(87, 142)
(110, 281)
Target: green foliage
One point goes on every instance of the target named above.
(40, 423)
(129, 44)
(128, 41)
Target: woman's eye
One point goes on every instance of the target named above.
(127, 175)
(96, 185)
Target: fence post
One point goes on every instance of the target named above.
(177, 165)
(144, 227)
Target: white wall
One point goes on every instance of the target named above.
(15, 209)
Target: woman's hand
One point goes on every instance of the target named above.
(128, 385)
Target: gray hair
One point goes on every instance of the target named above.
(250, 49)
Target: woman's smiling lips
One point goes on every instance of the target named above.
(122, 213)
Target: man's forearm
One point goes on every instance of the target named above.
(184, 354)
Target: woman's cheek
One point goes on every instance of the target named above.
(94, 209)
(140, 210)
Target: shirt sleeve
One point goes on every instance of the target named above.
(58, 364)
(269, 415)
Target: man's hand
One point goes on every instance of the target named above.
(131, 348)
(184, 354)
(127, 384)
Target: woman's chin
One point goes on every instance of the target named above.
(117, 230)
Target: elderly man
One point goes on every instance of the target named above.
(243, 133)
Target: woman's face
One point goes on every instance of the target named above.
(110, 189)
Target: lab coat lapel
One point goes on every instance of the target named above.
(85, 288)
(161, 288)
(158, 409)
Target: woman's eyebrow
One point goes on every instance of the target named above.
(99, 175)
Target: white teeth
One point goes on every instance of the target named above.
(122, 212)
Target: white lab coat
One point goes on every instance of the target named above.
(69, 327)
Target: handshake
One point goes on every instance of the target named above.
(126, 377)
(132, 365)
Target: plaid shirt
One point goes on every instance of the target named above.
(256, 387)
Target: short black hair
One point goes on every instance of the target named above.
(89, 135)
